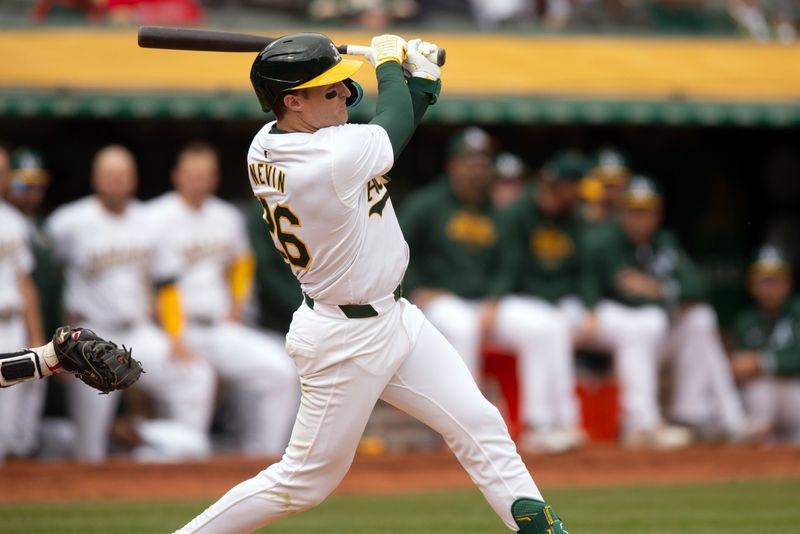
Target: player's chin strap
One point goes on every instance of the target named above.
(29, 364)
(536, 517)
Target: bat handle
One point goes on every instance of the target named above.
(437, 56)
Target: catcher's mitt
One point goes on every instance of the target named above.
(97, 362)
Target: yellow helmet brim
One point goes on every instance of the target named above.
(341, 71)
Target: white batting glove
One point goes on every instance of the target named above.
(386, 48)
(417, 64)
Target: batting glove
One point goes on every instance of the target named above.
(385, 48)
(417, 63)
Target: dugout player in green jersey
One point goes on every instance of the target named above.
(652, 308)
(767, 356)
(536, 287)
(451, 228)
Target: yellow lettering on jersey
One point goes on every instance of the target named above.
(551, 245)
(471, 228)
(115, 257)
(374, 186)
(269, 175)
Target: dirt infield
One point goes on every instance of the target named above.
(595, 466)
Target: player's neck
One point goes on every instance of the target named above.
(113, 207)
(194, 203)
(294, 123)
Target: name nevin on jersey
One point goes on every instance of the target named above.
(269, 175)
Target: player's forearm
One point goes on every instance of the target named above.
(424, 93)
(395, 112)
(26, 365)
(33, 316)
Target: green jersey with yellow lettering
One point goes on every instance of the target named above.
(453, 245)
(540, 255)
(777, 338)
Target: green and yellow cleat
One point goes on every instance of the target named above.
(536, 517)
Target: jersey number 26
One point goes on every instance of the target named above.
(292, 249)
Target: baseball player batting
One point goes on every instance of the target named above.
(354, 338)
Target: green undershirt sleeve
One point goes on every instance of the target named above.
(401, 106)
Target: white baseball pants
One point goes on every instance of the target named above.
(540, 335)
(182, 391)
(459, 321)
(259, 369)
(345, 366)
(635, 336)
(775, 402)
(21, 406)
(703, 388)
(704, 391)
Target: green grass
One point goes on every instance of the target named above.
(734, 508)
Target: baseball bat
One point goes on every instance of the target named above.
(171, 38)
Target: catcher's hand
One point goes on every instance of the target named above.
(97, 362)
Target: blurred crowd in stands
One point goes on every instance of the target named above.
(760, 19)
(543, 262)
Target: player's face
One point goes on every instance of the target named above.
(568, 194)
(612, 194)
(325, 106)
(27, 198)
(770, 292)
(114, 179)
(639, 224)
(470, 175)
(196, 175)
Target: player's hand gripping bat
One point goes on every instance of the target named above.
(217, 41)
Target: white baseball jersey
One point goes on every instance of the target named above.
(15, 256)
(110, 260)
(206, 242)
(328, 210)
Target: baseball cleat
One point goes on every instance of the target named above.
(536, 517)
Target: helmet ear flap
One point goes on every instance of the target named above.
(356, 92)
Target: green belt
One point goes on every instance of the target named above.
(357, 311)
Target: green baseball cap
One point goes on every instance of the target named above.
(642, 193)
(470, 140)
(27, 168)
(769, 260)
(565, 166)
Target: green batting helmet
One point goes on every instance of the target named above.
(300, 61)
